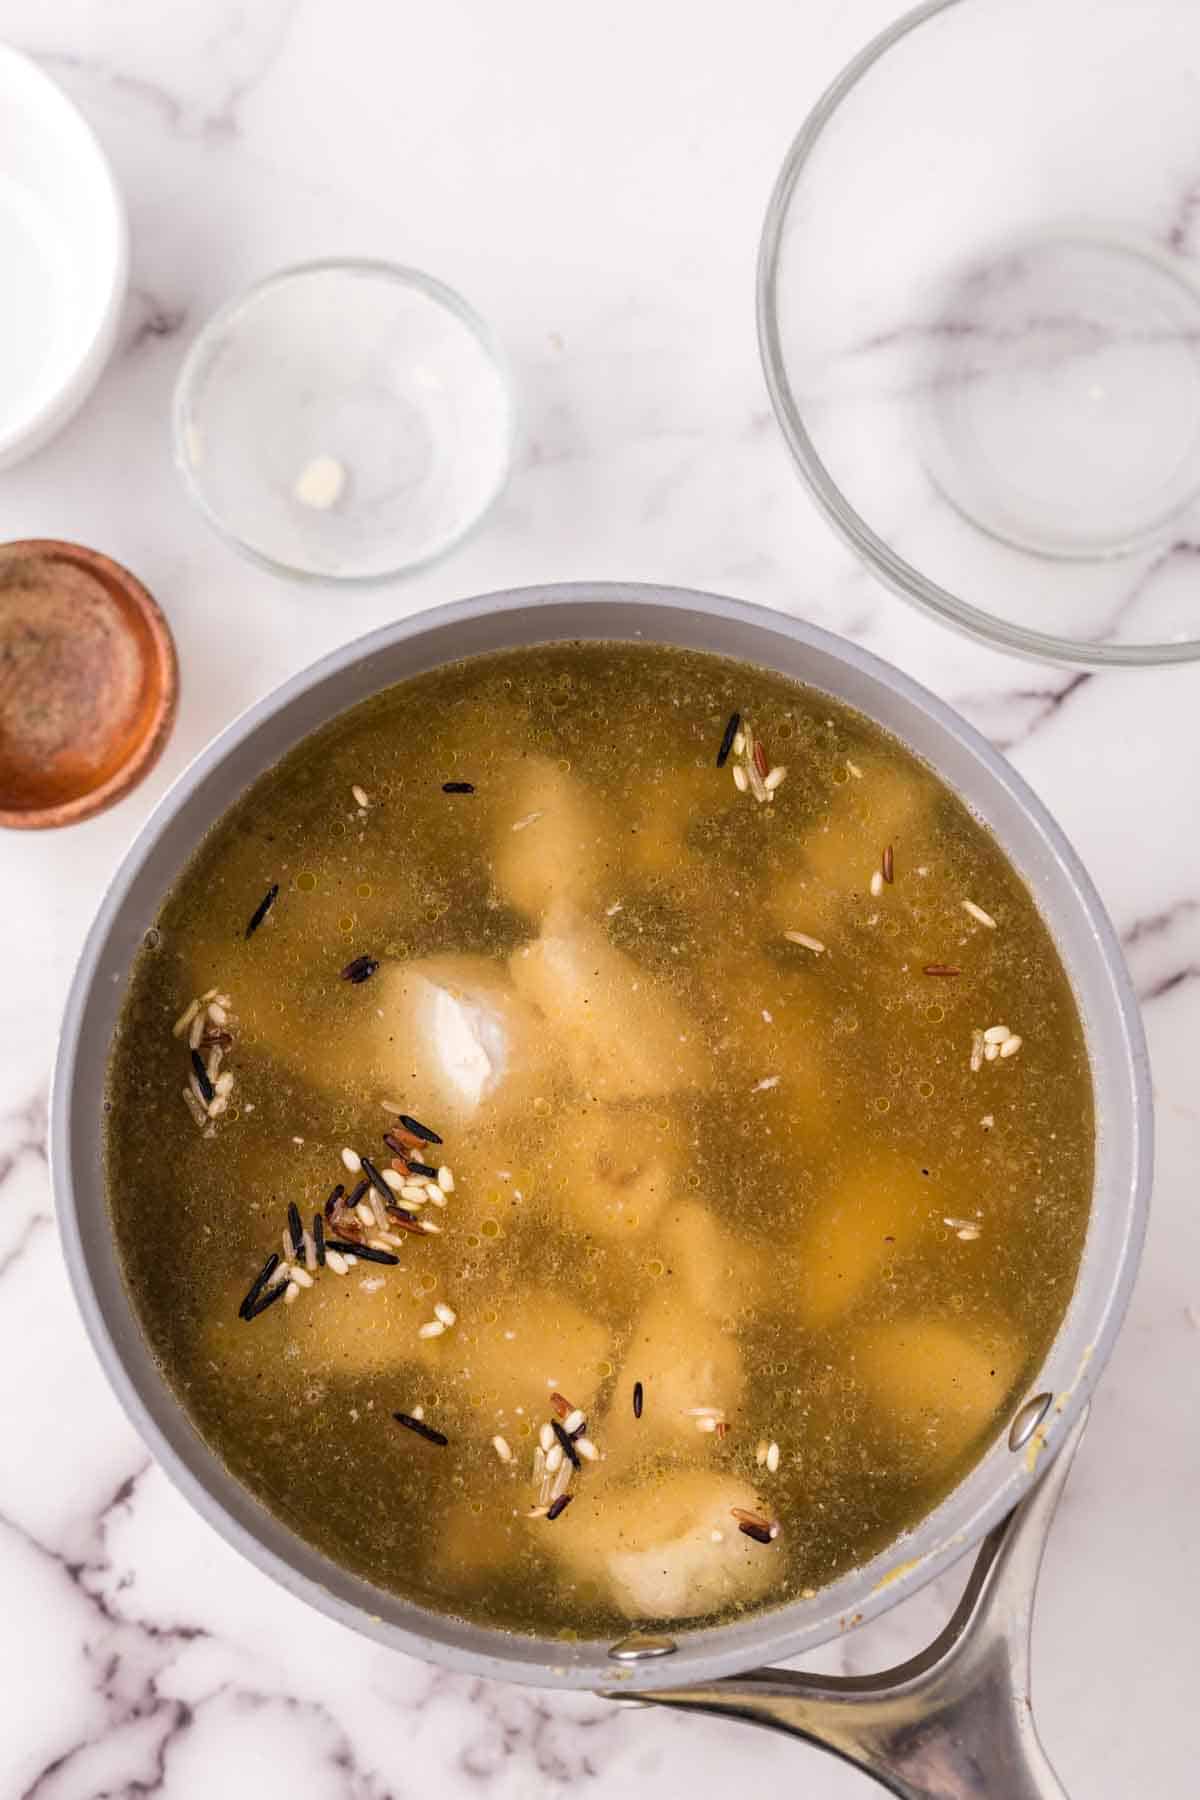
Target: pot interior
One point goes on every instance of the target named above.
(960, 758)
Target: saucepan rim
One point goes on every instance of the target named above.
(627, 611)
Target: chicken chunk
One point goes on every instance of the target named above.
(870, 1218)
(556, 840)
(624, 1035)
(541, 1341)
(684, 1361)
(473, 1541)
(667, 1548)
(452, 1033)
(706, 1262)
(838, 856)
(941, 1386)
(606, 1171)
(343, 1327)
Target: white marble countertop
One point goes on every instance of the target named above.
(593, 181)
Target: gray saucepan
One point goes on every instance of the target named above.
(944, 1725)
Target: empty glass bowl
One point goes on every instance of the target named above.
(344, 420)
(979, 311)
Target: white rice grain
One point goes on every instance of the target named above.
(185, 1018)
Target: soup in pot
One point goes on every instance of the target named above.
(599, 1133)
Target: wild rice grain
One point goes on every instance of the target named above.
(638, 1399)
(257, 1285)
(331, 1203)
(458, 787)
(422, 1131)
(730, 733)
(425, 1169)
(295, 1228)
(318, 1236)
(277, 1291)
(749, 1518)
(421, 1428)
(207, 1090)
(558, 1506)
(361, 969)
(887, 867)
(262, 909)
(940, 969)
(362, 1251)
(566, 1443)
(760, 1533)
(376, 1179)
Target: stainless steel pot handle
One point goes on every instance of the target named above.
(955, 1722)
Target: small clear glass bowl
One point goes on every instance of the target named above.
(979, 314)
(344, 420)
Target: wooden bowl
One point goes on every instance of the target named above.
(88, 683)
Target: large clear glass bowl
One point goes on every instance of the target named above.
(979, 312)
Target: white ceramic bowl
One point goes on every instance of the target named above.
(64, 253)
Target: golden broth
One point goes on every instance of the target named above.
(781, 1182)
